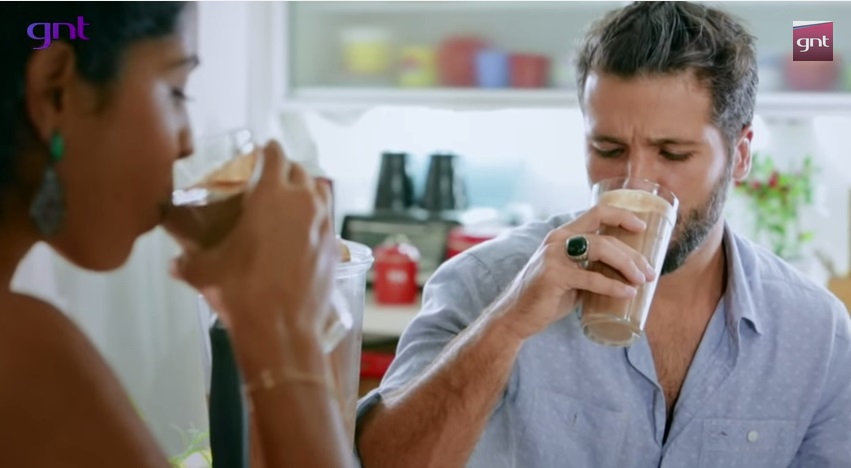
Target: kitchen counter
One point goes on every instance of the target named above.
(387, 320)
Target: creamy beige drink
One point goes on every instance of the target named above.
(615, 321)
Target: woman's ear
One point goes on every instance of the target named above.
(50, 74)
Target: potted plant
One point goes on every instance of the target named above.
(777, 199)
(196, 454)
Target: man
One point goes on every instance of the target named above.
(743, 362)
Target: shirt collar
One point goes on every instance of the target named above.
(739, 299)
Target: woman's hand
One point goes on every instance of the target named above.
(274, 272)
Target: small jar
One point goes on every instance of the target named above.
(417, 67)
(366, 51)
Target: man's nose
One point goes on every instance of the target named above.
(642, 165)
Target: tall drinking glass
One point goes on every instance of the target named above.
(615, 321)
(203, 214)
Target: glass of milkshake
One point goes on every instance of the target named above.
(615, 321)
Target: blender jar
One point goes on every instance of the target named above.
(345, 358)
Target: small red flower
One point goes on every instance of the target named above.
(756, 185)
(775, 177)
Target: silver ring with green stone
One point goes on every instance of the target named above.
(576, 248)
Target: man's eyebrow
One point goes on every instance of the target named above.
(606, 139)
(655, 142)
(673, 141)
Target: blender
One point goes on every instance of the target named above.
(230, 442)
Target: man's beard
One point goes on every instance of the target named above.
(693, 228)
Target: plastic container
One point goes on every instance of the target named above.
(417, 67)
(366, 50)
(492, 69)
(771, 74)
(563, 71)
(345, 359)
(227, 406)
(813, 76)
(529, 71)
(456, 60)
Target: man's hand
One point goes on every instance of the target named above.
(548, 287)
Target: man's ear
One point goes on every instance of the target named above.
(742, 156)
(49, 76)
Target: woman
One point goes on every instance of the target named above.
(89, 129)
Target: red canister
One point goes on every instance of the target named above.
(529, 70)
(396, 265)
(462, 238)
(456, 60)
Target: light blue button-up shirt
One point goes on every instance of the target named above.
(769, 386)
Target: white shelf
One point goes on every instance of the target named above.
(360, 99)
(320, 98)
(804, 104)
(388, 321)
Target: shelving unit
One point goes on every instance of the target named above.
(310, 72)
(329, 98)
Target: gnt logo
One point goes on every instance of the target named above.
(48, 32)
(812, 41)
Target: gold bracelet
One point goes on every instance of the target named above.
(270, 379)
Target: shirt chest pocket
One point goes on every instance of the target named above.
(562, 431)
(747, 443)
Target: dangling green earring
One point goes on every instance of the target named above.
(48, 207)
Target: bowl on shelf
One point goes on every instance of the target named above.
(812, 76)
(771, 72)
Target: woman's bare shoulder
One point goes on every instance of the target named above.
(35, 335)
(31, 333)
(21, 311)
(58, 397)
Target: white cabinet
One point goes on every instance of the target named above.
(314, 75)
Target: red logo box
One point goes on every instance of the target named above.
(812, 41)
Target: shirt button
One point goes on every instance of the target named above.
(753, 436)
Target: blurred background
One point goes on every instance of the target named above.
(447, 122)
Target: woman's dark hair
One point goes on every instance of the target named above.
(110, 27)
